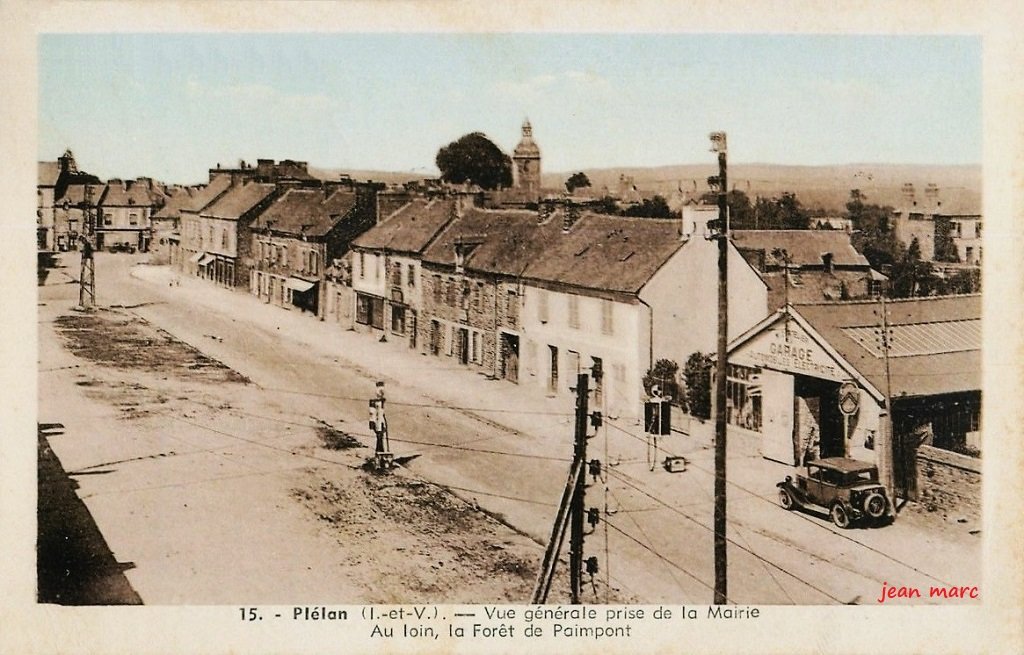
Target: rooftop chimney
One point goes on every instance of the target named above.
(827, 261)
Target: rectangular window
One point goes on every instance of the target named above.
(475, 348)
(607, 317)
(396, 274)
(397, 319)
(438, 289)
(451, 292)
(133, 219)
(314, 262)
(464, 299)
(410, 272)
(572, 366)
(977, 230)
(574, 312)
(362, 264)
(512, 308)
(224, 238)
(478, 293)
(108, 219)
(542, 305)
(370, 311)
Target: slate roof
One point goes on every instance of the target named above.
(207, 194)
(130, 194)
(49, 173)
(804, 247)
(309, 208)
(239, 200)
(815, 286)
(176, 199)
(75, 194)
(600, 252)
(947, 368)
(604, 252)
(410, 229)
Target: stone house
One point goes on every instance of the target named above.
(387, 270)
(801, 266)
(124, 212)
(225, 234)
(186, 247)
(300, 234)
(58, 185)
(165, 223)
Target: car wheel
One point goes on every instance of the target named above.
(785, 499)
(874, 505)
(839, 516)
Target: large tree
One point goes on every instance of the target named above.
(577, 181)
(782, 213)
(741, 213)
(475, 159)
(656, 207)
(874, 234)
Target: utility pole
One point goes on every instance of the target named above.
(718, 144)
(87, 278)
(886, 439)
(577, 509)
(570, 510)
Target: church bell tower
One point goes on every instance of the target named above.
(526, 161)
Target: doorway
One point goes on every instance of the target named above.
(509, 357)
(817, 421)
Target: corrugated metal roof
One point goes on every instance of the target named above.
(930, 363)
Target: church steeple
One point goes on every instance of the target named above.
(526, 158)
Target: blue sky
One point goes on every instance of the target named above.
(173, 105)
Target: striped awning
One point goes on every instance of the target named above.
(196, 257)
(206, 259)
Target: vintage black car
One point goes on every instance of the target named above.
(846, 489)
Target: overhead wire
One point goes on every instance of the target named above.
(807, 519)
(623, 478)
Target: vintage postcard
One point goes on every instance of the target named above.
(438, 327)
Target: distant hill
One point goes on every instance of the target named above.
(827, 187)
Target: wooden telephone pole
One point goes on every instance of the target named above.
(570, 510)
(718, 144)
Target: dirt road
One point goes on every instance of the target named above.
(243, 447)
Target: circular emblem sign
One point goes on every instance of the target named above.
(849, 398)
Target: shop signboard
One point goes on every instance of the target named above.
(791, 350)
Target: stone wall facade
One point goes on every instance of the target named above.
(949, 483)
